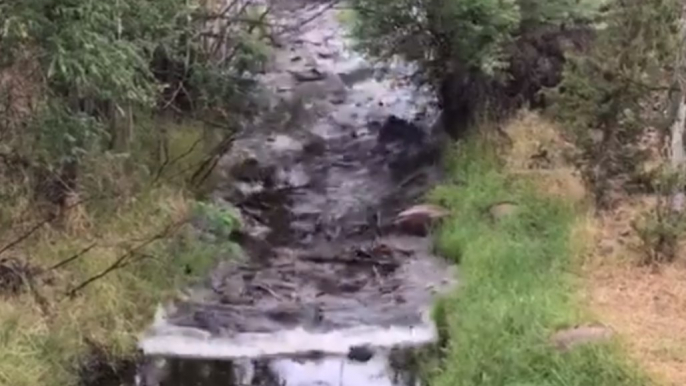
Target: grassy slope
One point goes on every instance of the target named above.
(45, 347)
(516, 286)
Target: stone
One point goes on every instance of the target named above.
(502, 209)
(395, 129)
(312, 316)
(326, 89)
(418, 219)
(250, 170)
(565, 340)
(405, 162)
(315, 146)
(311, 75)
(356, 75)
(338, 98)
(360, 353)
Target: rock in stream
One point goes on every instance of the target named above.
(331, 291)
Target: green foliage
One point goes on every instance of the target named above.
(222, 221)
(603, 88)
(610, 92)
(515, 288)
(63, 136)
(436, 32)
(96, 49)
(97, 62)
(88, 139)
(660, 228)
(462, 35)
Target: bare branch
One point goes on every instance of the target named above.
(47, 220)
(27, 234)
(123, 260)
(73, 257)
(171, 162)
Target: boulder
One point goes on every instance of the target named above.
(250, 170)
(395, 129)
(565, 340)
(314, 146)
(360, 353)
(418, 219)
(406, 163)
(310, 75)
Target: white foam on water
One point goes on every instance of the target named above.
(173, 341)
(347, 373)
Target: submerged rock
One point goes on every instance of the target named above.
(315, 146)
(360, 354)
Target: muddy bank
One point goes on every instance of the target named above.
(332, 288)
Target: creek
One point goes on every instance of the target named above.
(331, 290)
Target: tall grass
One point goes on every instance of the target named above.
(516, 285)
(46, 344)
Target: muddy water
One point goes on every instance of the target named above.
(330, 290)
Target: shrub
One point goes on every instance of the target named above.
(614, 90)
(482, 56)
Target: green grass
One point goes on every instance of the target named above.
(516, 286)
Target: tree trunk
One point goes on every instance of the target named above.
(121, 126)
(677, 156)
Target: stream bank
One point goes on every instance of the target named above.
(517, 316)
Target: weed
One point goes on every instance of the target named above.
(660, 228)
(221, 221)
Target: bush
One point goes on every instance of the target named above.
(660, 228)
(614, 90)
(96, 68)
(482, 56)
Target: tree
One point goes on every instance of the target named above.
(608, 92)
(94, 64)
(466, 48)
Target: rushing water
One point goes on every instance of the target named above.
(330, 292)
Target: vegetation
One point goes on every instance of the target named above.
(611, 71)
(112, 115)
(516, 287)
(98, 288)
(612, 74)
(484, 57)
(611, 93)
(624, 86)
